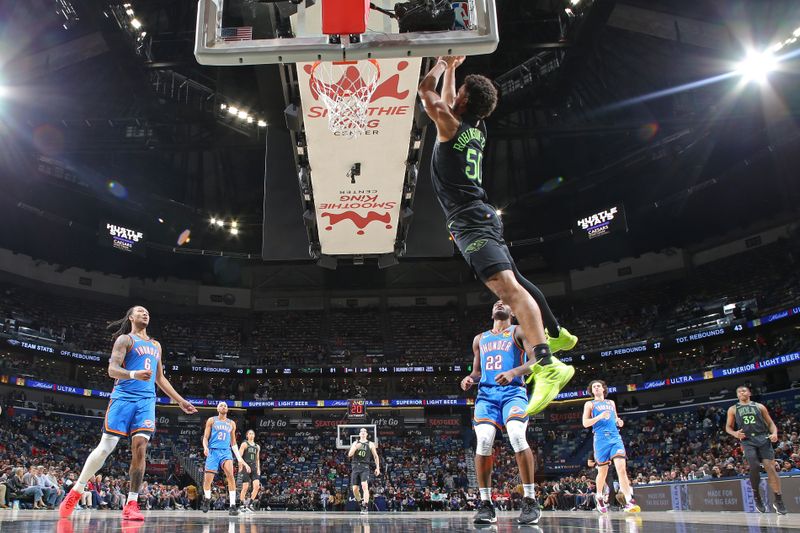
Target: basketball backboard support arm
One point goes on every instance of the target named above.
(211, 49)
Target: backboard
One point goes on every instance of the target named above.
(217, 41)
(347, 434)
(357, 191)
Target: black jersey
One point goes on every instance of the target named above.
(250, 454)
(457, 167)
(750, 420)
(362, 455)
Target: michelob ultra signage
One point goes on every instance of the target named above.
(122, 238)
(607, 221)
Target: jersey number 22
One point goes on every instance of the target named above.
(494, 362)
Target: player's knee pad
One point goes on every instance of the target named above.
(516, 430)
(107, 444)
(484, 434)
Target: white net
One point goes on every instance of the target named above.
(346, 88)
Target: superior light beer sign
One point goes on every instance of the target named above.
(607, 221)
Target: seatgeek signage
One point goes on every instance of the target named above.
(359, 214)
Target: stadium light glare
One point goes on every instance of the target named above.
(232, 110)
(136, 24)
(212, 221)
(223, 107)
(242, 114)
(756, 66)
(234, 231)
(220, 223)
(234, 224)
(262, 123)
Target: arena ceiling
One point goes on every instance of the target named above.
(603, 107)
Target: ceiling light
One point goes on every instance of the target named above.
(242, 114)
(129, 12)
(234, 231)
(220, 223)
(136, 24)
(223, 107)
(262, 123)
(212, 221)
(756, 66)
(234, 224)
(249, 120)
(232, 110)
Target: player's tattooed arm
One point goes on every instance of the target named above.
(116, 369)
(475, 376)
(730, 422)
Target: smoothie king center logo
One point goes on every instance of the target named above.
(388, 89)
(367, 200)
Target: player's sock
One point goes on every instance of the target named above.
(232, 497)
(78, 487)
(542, 355)
(486, 494)
(529, 490)
(207, 494)
(132, 497)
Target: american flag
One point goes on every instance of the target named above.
(243, 33)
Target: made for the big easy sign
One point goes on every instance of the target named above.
(361, 217)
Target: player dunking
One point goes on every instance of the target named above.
(136, 365)
(219, 440)
(601, 415)
(250, 452)
(756, 432)
(499, 363)
(457, 175)
(359, 477)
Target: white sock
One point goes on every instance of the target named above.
(486, 494)
(133, 497)
(529, 490)
(232, 496)
(207, 494)
(78, 487)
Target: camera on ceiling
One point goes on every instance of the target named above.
(425, 15)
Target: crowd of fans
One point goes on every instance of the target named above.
(41, 454)
(766, 278)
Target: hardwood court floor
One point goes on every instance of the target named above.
(551, 522)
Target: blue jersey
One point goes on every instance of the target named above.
(499, 353)
(142, 355)
(220, 434)
(605, 428)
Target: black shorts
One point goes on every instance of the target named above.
(478, 232)
(359, 475)
(248, 477)
(759, 450)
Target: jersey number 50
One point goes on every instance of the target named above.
(494, 362)
(474, 165)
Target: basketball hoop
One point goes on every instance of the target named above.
(346, 88)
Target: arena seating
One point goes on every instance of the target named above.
(412, 335)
